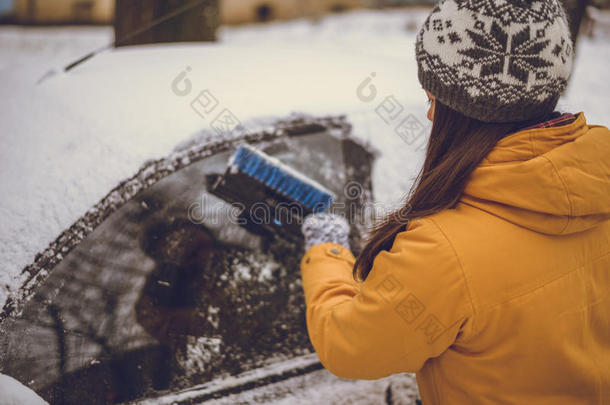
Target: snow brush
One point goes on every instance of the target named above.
(273, 197)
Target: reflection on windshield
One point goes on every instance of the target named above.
(153, 300)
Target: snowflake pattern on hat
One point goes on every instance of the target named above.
(495, 60)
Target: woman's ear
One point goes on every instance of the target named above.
(431, 103)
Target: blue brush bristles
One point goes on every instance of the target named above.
(281, 178)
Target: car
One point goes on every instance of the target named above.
(158, 286)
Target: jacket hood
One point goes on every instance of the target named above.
(550, 180)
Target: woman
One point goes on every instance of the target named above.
(492, 283)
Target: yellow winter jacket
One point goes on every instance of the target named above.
(503, 300)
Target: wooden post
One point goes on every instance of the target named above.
(155, 21)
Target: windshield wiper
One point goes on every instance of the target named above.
(127, 37)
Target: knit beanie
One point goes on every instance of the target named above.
(496, 60)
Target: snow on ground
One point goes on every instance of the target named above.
(70, 139)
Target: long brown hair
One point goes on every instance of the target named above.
(456, 146)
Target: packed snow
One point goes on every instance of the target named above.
(15, 393)
(71, 138)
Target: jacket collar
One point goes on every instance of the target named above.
(532, 142)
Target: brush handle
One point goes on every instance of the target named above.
(325, 227)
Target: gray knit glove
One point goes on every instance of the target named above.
(325, 227)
